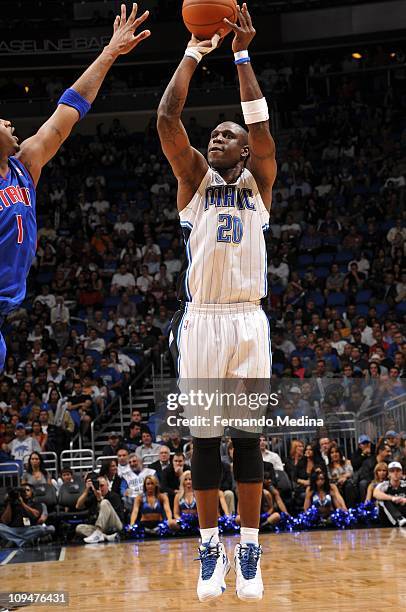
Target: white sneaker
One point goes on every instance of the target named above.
(96, 537)
(214, 567)
(249, 585)
(113, 537)
(402, 522)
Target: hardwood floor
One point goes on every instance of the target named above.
(322, 570)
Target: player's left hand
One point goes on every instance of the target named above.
(244, 32)
(123, 40)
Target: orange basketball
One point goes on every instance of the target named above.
(205, 17)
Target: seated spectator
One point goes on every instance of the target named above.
(123, 457)
(106, 512)
(123, 280)
(176, 442)
(366, 471)
(39, 435)
(296, 453)
(109, 470)
(144, 281)
(302, 471)
(81, 408)
(171, 475)
(278, 271)
(335, 280)
(271, 503)
(23, 519)
(133, 439)
(324, 445)
(381, 474)
(391, 496)
(365, 449)
(94, 342)
(392, 438)
(22, 446)
(111, 378)
(152, 507)
(340, 472)
(269, 456)
(126, 309)
(36, 472)
(60, 313)
(322, 494)
(147, 447)
(134, 479)
(162, 463)
(114, 444)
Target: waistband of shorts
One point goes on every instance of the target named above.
(219, 309)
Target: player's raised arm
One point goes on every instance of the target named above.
(261, 144)
(188, 165)
(75, 102)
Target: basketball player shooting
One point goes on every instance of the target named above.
(221, 331)
(21, 165)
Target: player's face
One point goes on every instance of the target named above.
(8, 142)
(227, 146)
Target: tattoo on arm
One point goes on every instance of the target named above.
(58, 133)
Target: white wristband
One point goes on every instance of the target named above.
(255, 111)
(194, 53)
(241, 55)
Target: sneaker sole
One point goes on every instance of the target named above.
(244, 598)
(223, 587)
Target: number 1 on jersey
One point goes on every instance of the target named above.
(20, 236)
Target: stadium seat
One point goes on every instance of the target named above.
(321, 272)
(317, 297)
(336, 299)
(305, 260)
(362, 310)
(401, 308)
(324, 259)
(45, 494)
(277, 289)
(112, 300)
(344, 256)
(363, 297)
(381, 310)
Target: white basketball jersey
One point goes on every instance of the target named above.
(223, 228)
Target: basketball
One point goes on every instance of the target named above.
(204, 18)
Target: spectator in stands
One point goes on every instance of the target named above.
(392, 438)
(269, 456)
(105, 510)
(111, 378)
(341, 473)
(148, 448)
(81, 408)
(134, 479)
(123, 280)
(171, 476)
(114, 444)
(22, 446)
(272, 503)
(36, 472)
(364, 450)
(163, 461)
(94, 342)
(133, 439)
(300, 475)
(381, 474)
(109, 470)
(60, 313)
(366, 472)
(391, 496)
(176, 442)
(39, 435)
(324, 445)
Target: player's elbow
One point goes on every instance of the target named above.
(165, 120)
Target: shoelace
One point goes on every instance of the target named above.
(208, 556)
(248, 556)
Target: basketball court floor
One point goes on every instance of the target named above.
(320, 570)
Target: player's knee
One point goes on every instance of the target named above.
(206, 463)
(248, 465)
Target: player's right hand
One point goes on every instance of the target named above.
(206, 46)
(123, 40)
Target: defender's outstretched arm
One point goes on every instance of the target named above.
(37, 150)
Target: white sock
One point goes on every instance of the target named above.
(211, 534)
(249, 535)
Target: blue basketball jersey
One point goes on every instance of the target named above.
(18, 234)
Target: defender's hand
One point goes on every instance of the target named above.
(244, 32)
(123, 40)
